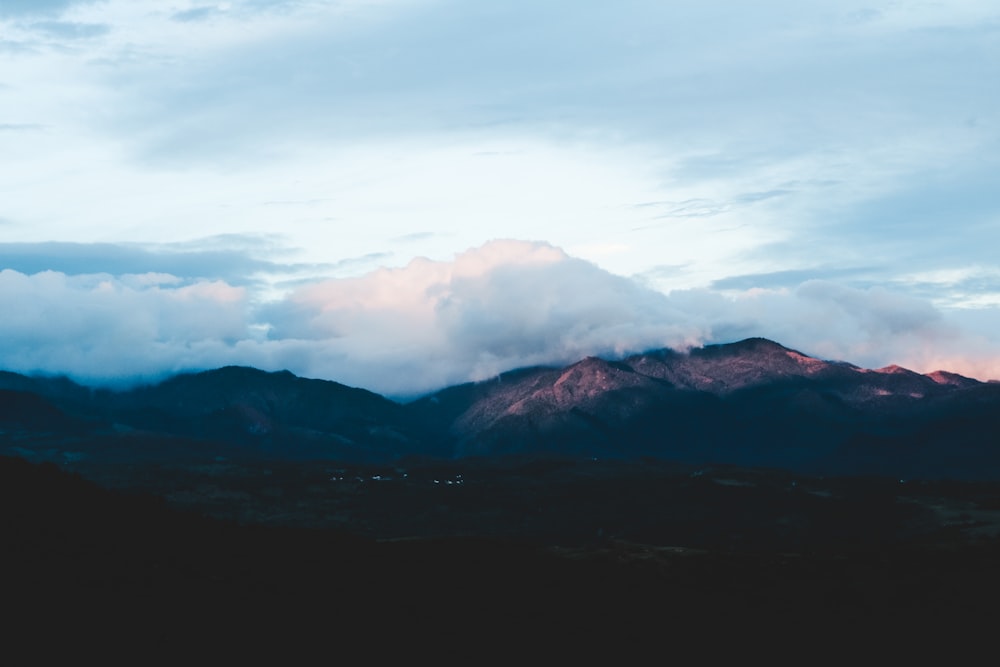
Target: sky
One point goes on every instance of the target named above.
(406, 194)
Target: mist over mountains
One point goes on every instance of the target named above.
(751, 403)
(410, 330)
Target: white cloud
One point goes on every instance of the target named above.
(404, 330)
(98, 328)
(870, 327)
(505, 305)
(417, 328)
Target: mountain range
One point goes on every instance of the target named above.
(749, 403)
(659, 502)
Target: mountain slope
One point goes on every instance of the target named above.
(753, 402)
(246, 412)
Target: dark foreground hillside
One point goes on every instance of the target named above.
(91, 572)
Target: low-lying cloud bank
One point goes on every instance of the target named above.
(410, 330)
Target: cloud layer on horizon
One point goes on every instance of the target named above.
(405, 331)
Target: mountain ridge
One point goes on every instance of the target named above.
(752, 402)
(62, 385)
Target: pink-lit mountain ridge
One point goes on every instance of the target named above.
(753, 402)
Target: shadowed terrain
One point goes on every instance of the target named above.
(752, 403)
(89, 570)
(660, 502)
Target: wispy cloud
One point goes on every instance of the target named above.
(197, 13)
(792, 277)
(21, 127)
(700, 208)
(17, 46)
(19, 8)
(231, 258)
(71, 30)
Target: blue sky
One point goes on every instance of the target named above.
(400, 194)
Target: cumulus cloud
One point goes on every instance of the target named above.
(505, 305)
(399, 331)
(870, 327)
(106, 330)
(405, 331)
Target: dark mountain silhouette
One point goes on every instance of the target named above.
(239, 412)
(750, 403)
(276, 412)
(25, 413)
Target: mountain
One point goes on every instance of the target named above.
(754, 402)
(750, 403)
(231, 412)
(276, 412)
(24, 413)
(525, 540)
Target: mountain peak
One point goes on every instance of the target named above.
(754, 343)
(895, 369)
(952, 379)
(727, 367)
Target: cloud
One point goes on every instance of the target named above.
(795, 125)
(39, 7)
(21, 127)
(787, 278)
(505, 305)
(870, 327)
(197, 14)
(736, 83)
(232, 258)
(405, 331)
(17, 47)
(110, 330)
(705, 208)
(401, 331)
(71, 30)
(243, 9)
